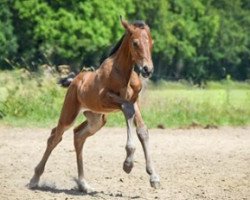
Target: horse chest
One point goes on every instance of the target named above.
(130, 93)
(126, 93)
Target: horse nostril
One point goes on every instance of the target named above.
(146, 72)
(145, 69)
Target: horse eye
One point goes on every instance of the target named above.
(135, 43)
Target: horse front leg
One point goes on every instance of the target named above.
(142, 133)
(129, 113)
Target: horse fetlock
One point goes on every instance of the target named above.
(39, 171)
(149, 170)
(130, 149)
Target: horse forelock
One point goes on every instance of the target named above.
(140, 24)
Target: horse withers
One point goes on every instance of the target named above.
(114, 86)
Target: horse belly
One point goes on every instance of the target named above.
(98, 104)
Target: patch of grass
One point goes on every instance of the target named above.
(179, 108)
(28, 100)
(33, 100)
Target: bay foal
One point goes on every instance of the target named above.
(114, 86)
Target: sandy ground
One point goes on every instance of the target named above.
(192, 164)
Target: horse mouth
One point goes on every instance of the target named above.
(146, 74)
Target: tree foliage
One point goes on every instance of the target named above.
(69, 32)
(8, 42)
(194, 40)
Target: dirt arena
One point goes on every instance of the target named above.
(192, 164)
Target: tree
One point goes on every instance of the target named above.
(71, 32)
(198, 40)
(194, 40)
(8, 42)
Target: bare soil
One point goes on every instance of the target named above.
(192, 164)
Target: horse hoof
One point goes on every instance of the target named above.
(87, 190)
(127, 166)
(84, 186)
(155, 184)
(33, 183)
(155, 181)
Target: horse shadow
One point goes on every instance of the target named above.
(76, 192)
(53, 189)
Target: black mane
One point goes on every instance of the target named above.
(138, 23)
(116, 47)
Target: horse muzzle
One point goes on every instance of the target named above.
(144, 71)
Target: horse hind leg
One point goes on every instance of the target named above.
(81, 133)
(53, 140)
(69, 112)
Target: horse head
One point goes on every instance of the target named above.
(140, 46)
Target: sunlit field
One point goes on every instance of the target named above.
(33, 100)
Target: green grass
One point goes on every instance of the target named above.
(33, 100)
(178, 108)
(29, 100)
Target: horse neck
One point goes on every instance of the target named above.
(123, 60)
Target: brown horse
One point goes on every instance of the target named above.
(114, 86)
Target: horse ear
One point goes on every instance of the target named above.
(126, 25)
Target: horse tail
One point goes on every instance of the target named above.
(66, 81)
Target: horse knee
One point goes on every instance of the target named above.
(128, 110)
